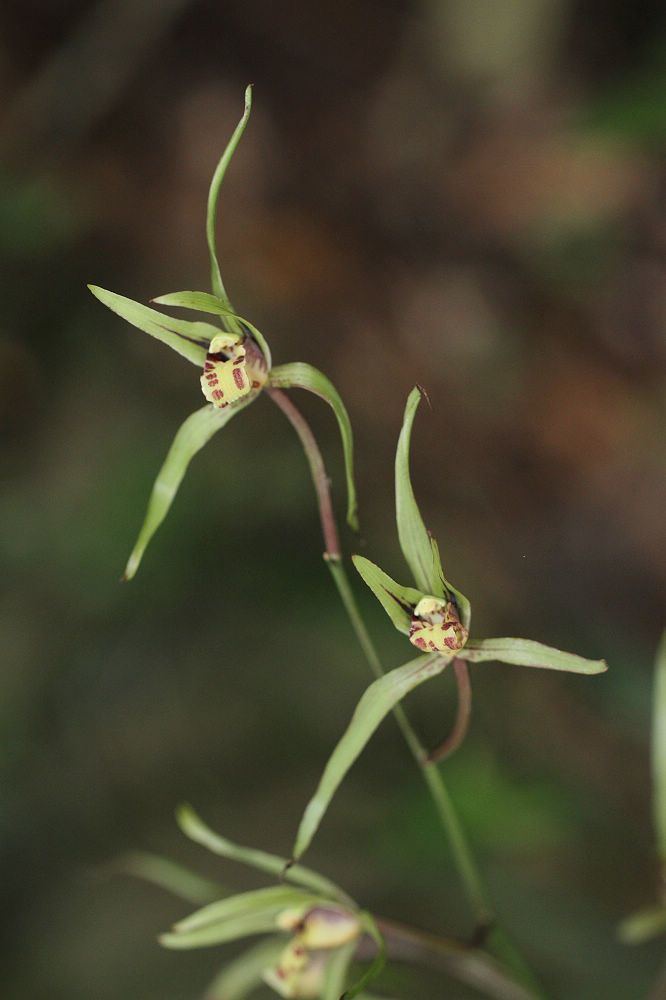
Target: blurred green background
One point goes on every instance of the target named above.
(467, 194)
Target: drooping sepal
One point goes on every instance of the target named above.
(188, 338)
(375, 704)
(299, 375)
(398, 601)
(193, 434)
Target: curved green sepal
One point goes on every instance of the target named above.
(191, 340)
(193, 434)
(217, 284)
(659, 750)
(375, 704)
(398, 602)
(244, 974)
(643, 925)
(412, 532)
(194, 827)
(527, 653)
(206, 303)
(300, 375)
(238, 916)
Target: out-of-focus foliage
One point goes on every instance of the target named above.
(467, 196)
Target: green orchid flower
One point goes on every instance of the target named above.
(235, 368)
(435, 616)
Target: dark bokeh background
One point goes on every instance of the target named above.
(468, 194)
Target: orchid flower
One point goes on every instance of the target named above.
(435, 617)
(235, 367)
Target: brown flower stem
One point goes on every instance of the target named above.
(487, 927)
(317, 469)
(461, 725)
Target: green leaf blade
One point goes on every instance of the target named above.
(192, 435)
(398, 601)
(300, 375)
(373, 707)
(188, 339)
(412, 533)
(527, 653)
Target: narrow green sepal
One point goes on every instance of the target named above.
(189, 339)
(398, 601)
(193, 434)
(527, 653)
(299, 375)
(375, 704)
(217, 284)
(412, 533)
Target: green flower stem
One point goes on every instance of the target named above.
(495, 937)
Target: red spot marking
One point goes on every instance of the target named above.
(239, 361)
(280, 973)
(218, 394)
(420, 643)
(299, 951)
(255, 384)
(239, 378)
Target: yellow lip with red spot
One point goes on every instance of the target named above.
(436, 626)
(227, 376)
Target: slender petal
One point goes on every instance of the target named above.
(527, 653)
(193, 434)
(206, 303)
(398, 601)
(303, 376)
(372, 709)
